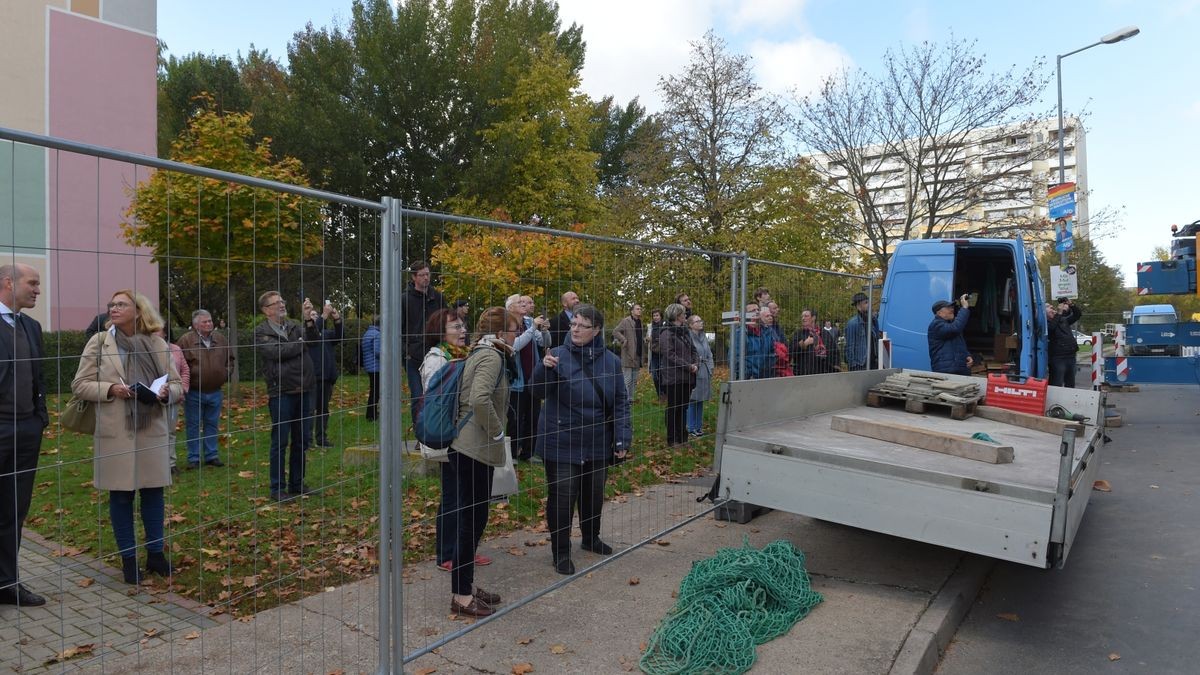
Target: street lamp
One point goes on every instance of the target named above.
(1112, 38)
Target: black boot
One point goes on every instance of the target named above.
(564, 566)
(129, 568)
(157, 563)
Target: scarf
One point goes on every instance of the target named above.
(453, 351)
(140, 364)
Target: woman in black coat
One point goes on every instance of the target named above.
(679, 365)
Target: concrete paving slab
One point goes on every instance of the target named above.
(877, 591)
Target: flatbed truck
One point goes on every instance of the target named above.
(775, 448)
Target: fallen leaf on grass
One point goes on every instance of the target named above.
(245, 474)
(1008, 616)
(177, 518)
(85, 582)
(1114, 657)
(250, 581)
(70, 653)
(66, 552)
(1102, 486)
(522, 668)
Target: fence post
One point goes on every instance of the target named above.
(391, 442)
(744, 261)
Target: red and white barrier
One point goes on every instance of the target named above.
(1097, 360)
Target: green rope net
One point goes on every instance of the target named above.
(728, 604)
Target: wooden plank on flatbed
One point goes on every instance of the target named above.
(1050, 425)
(950, 444)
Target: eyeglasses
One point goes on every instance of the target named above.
(119, 305)
(580, 326)
(278, 302)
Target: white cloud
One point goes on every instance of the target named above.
(630, 45)
(797, 66)
(768, 14)
(633, 43)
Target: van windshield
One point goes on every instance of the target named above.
(1154, 318)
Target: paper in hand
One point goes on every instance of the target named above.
(149, 394)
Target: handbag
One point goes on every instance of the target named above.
(80, 415)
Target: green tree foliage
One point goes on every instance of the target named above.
(217, 234)
(188, 85)
(1102, 294)
(388, 105)
(536, 157)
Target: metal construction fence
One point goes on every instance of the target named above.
(333, 561)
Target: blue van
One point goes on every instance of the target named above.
(1007, 327)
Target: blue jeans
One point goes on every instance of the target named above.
(120, 511)
(695, 416)
(291, 417)
(202, 411)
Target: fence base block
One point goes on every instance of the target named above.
(738, 512)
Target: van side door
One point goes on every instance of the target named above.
(1040, 353)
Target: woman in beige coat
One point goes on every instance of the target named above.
(479, 449)
(130, 442)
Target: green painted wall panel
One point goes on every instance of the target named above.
(22, 198)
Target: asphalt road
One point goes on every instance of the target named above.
(1128, 599)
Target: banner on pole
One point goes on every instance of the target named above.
(1064, 283)
(1061, 201)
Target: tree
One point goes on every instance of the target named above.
(615, 132)
(535, 158)
(923, 148)
(700, 178)
(212, 232)
(190, 84)
(1102, 294)
(486, 265)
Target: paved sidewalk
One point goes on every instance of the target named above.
(87, 603)
(887, 603)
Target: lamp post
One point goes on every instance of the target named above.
(1112, 38)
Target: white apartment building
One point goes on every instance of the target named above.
(1001, 175)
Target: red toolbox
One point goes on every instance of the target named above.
(1023, 394)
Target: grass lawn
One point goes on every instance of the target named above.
(237, 550)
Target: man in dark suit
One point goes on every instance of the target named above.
(560, 325)
(22, 418)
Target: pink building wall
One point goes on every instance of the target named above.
(101, 89)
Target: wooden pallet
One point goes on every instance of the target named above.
(958, 411)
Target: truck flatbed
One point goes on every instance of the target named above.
(776, 449)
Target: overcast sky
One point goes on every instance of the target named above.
(1141, 97)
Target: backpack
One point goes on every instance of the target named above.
(437, 408)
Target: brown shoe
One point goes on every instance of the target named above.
(489, 598)
(477, 608)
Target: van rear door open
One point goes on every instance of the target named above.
(1007, 328)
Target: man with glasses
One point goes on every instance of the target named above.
(288, 372)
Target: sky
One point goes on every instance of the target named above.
(1140, 97)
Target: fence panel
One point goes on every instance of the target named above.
(99, 229)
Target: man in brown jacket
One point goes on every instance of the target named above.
(210, 360)
(631, 336)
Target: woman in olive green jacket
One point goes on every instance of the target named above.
(479, 449)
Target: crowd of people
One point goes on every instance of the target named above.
(533, 389)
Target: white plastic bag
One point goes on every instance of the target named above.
(504, 479)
